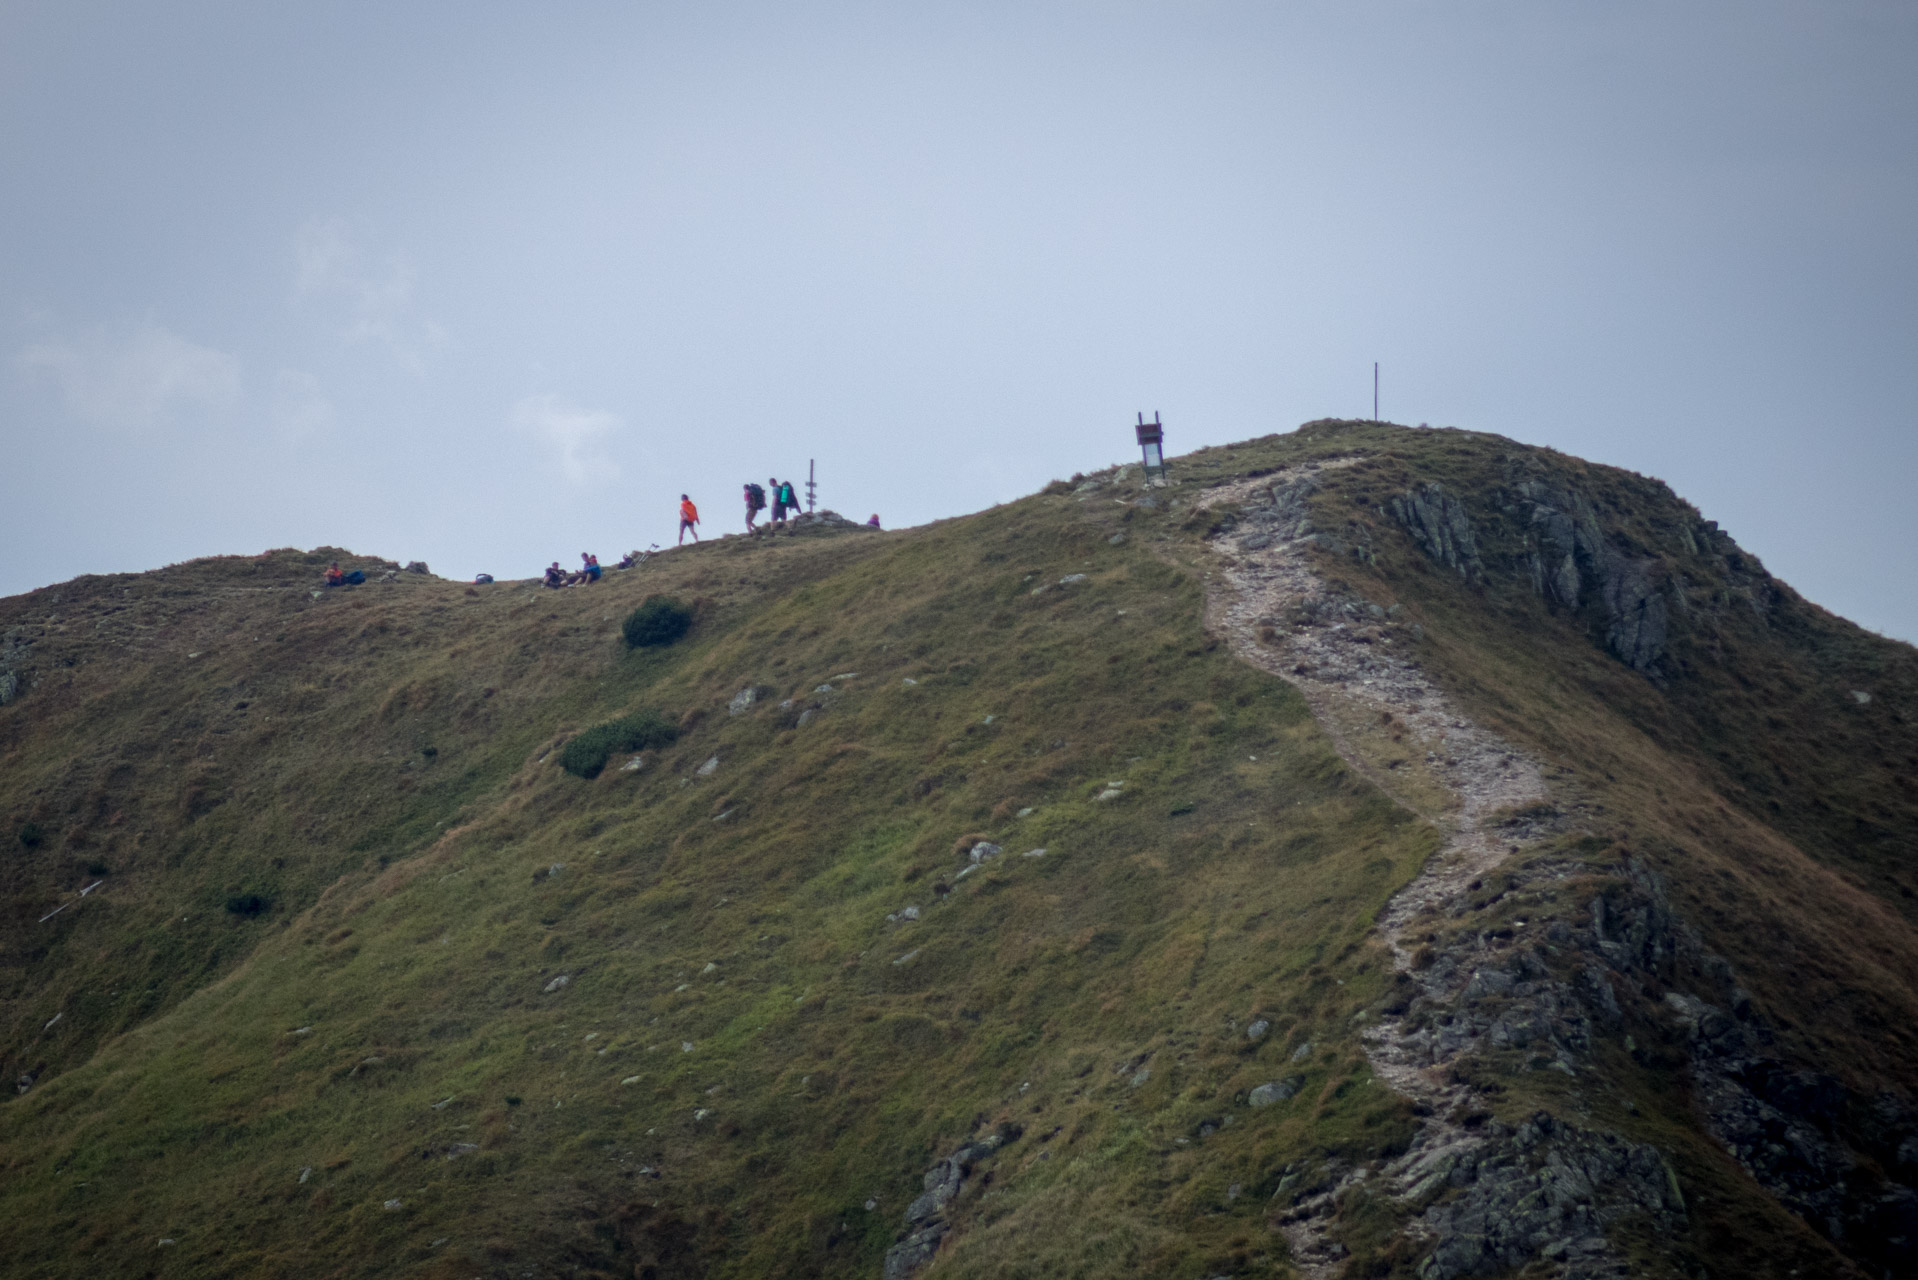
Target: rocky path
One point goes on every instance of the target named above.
(1393, 725)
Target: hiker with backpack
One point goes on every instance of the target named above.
(784, 500)
(555, 576)
(688, 519)
(755, 503)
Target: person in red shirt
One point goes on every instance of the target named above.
(688, 519)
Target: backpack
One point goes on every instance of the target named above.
(786, 496)
(755, 497)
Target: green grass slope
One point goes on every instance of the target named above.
(371, 985)
(739, 1020)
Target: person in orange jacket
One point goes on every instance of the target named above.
(688, 519)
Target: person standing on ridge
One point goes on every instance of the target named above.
(786, 498)
(688, 519)
(755, 503)
(779, 503)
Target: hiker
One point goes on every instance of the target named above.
(688, 519)
(755, 503)
(630, 559)
(592, 570)
(874, 522)
(555, 576)
(334, 578)
(785, 502)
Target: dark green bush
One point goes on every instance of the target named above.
(590, 749)
(247, 904)
(31, 835)
(658, 620)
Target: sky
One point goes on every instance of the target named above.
(489, 284)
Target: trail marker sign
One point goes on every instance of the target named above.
(1152, 444)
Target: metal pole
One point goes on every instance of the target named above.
(811, 488)
(1375, 391)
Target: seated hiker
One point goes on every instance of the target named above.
(555, 576)
(333, 576)
(630, 559)
(589, 569)
(874, 522)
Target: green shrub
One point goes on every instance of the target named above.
(31, 835)
(590, 749)
(247, 904)
(659, 620)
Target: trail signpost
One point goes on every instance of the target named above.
(1152, 445)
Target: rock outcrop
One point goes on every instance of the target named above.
(926, 1217)
(1442, 528)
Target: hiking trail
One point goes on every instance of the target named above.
(1279, 615)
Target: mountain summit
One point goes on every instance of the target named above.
(1375, 852)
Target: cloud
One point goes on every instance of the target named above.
(300, 409)
(142, 379)
(378, 299)
(572, 432)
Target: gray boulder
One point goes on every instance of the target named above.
(1275, 1091)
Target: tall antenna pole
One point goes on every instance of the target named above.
(812, 488)
(1375, 391)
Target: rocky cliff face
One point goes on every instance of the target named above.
(1561, 958)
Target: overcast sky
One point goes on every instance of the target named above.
(490, 284)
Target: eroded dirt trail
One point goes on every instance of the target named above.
(1393, 725)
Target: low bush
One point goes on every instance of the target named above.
(659, 620)
(31, 835)
(590, 749)
(247, 904)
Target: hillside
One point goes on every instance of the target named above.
(1378, 852)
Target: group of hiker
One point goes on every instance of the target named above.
(588, 571)
(785, 505)
(785, 502)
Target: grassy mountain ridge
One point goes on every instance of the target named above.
(676, 1020)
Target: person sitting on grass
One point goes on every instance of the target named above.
(555, 576)
(334, 578)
